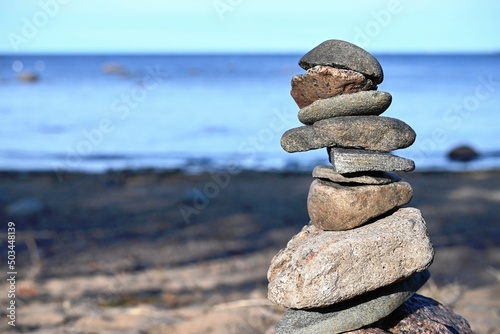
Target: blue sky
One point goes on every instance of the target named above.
(219, 26)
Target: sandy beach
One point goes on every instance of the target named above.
(165, 252)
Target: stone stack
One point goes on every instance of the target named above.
(362, 256)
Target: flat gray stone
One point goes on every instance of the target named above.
(419, 314)
(375, 133)
(352, 161)
(369, 102)
(322, 82)
(321, 268)
(335, 207)
(329, 173)
(341, 54)
(354, 313)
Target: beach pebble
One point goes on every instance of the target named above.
(322, 82)
(370, 102)
(419, 314)
(354, 313)
(367, 132)
(329, 173)
(342, 54)
(463, 153)
(352, 161)
(320, 268)
(42, 315)
(334, 207)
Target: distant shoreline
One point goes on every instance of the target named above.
(225, 54)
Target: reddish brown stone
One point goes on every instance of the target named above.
(419, 315)
(321, 82)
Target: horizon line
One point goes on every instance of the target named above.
(235, 53)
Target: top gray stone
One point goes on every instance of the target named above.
(344, 55)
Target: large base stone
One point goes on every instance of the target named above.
(321, 268)
(354, 313)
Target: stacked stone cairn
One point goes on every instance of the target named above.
(361, 257)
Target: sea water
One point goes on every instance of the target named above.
(204, 112)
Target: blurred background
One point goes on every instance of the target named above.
(139, 148)
(136, 68)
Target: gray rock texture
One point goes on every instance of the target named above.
(320, 268)
(352, 161)
(370, 102)
(329, 173)
(375, 133)
(322, 82)
(334, 207)
(341, 54)
(354, 313)
(419, 315)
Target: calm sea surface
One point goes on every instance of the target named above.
(196, 112)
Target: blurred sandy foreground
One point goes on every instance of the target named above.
(119, 253)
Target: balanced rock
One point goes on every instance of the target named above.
(353, 313)
(352, 161)
(370, 102)
(320, 268)
(419, 314)
(329, 173)
(341, 54)
(321, 82)
(375, 133)
(334, 207)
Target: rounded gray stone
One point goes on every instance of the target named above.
(370, 102)
(345, 55)
(375, 133)
(329, 173)
(353, 161)
(321, 268)
(354, 313)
